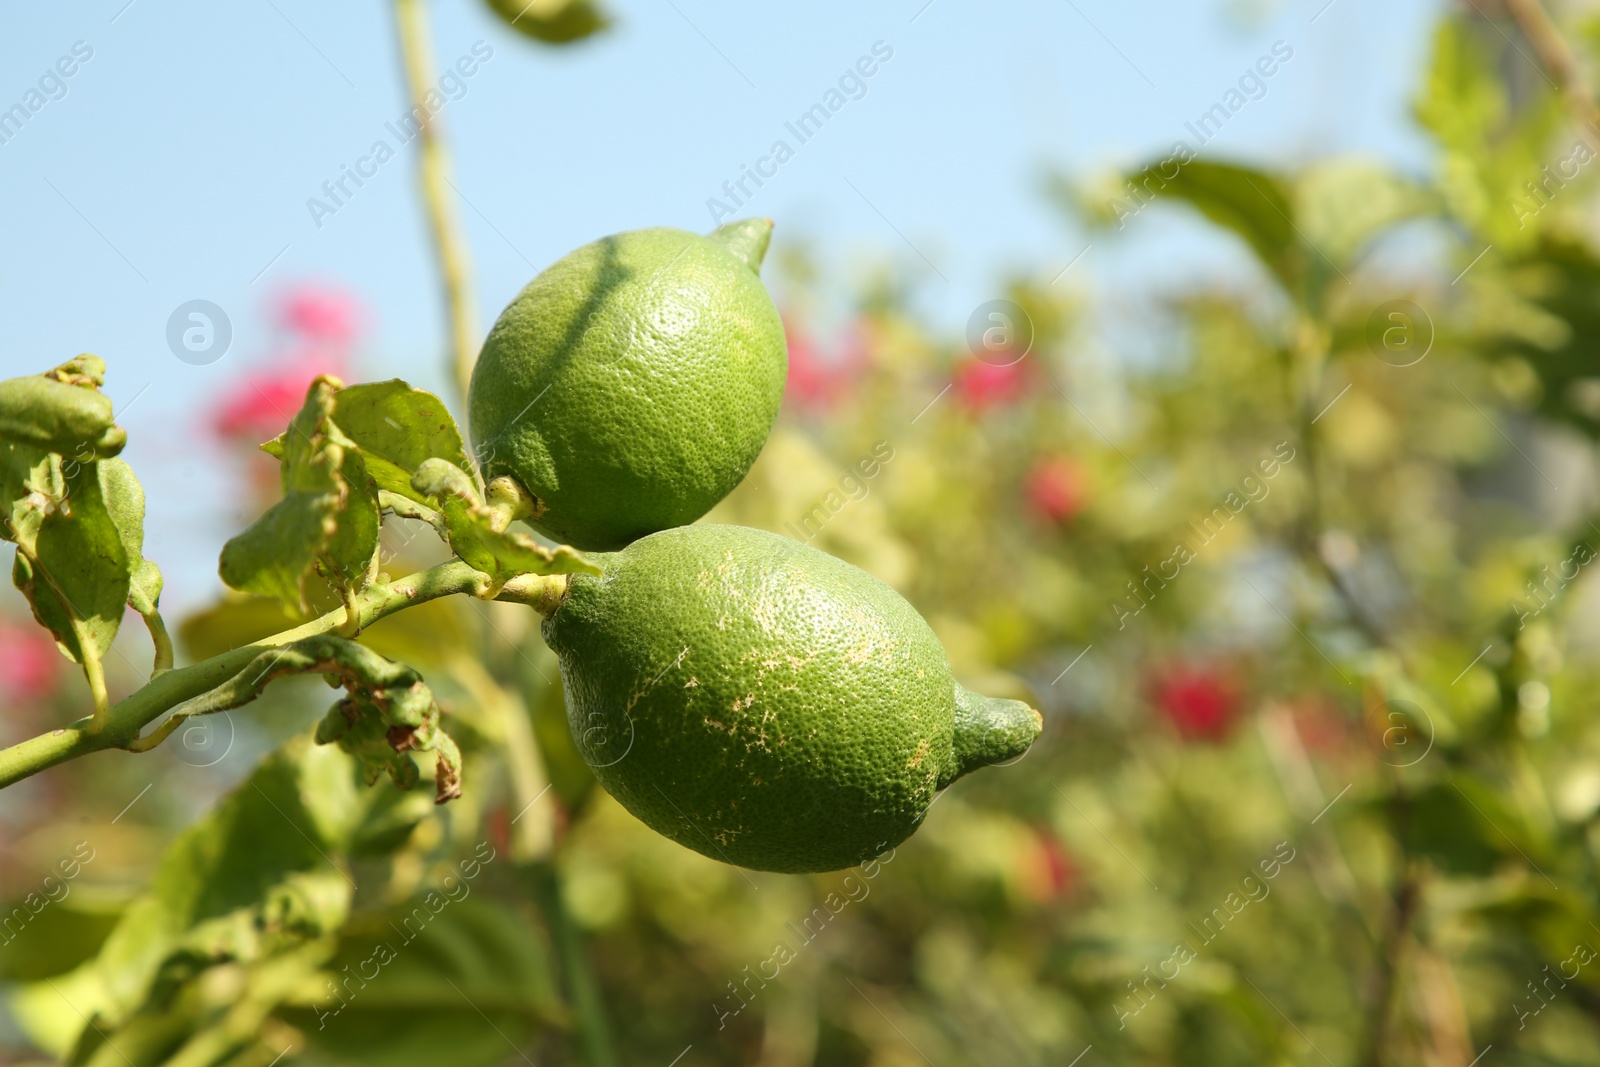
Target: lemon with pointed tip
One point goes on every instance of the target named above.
(631, 384)
(764, 703)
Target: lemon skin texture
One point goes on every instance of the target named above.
(630, 386)
(764, 703)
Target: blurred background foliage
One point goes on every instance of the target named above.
(1302, 592)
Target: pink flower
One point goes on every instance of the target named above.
(317, 328)
(1201, 702)
(260, 407)
(320, 314)
(981, 386)
(29, 661)
(816, 381)
(1056, 489)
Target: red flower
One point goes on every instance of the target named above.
(816, 380)
(980, 385)
(1056, 489)
(29, 661)
(1201, 702)
(317, 329)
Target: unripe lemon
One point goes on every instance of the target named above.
(765, 703)
(630, 386)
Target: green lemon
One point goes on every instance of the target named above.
(630, 386)
(764, 703)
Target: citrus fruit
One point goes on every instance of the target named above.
(764, 703)
(630, 385)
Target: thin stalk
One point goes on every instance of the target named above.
(583, 987)
(1408, 896)
(1311, 352)
(1559, 62)
(433, 174)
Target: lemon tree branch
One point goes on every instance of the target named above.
(168, 689)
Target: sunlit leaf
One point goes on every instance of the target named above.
(499, 553)
(1251, 204)
(327, 520)
(76, 574)
(125, 501)
(398, 428)
(62, 410)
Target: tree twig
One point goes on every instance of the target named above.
(167, 690)
(1407, 897)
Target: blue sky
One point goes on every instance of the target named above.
(179, 163)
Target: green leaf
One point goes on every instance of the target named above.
(30, 477)
(61, 935)
(1561, 280)
(327, 520)
(1249, 203)
(552, 21)
(437, 633)
(501, 554)
(75, 571)
(62, 410)
(276, 555)
(237, 620)
(124, 498)
(262, 874)
(398, 428)
(1343, 205)
(144, 588)
(439, 966)
(1458, 834)
(1490, 148)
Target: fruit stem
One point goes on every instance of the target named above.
(433, 174)
(509, 501)
(541, 592)
(118, 726)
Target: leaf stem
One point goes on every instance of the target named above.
(127, 717)
(95, 672)
(161, 639)
(407, 508)
(433, 173)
